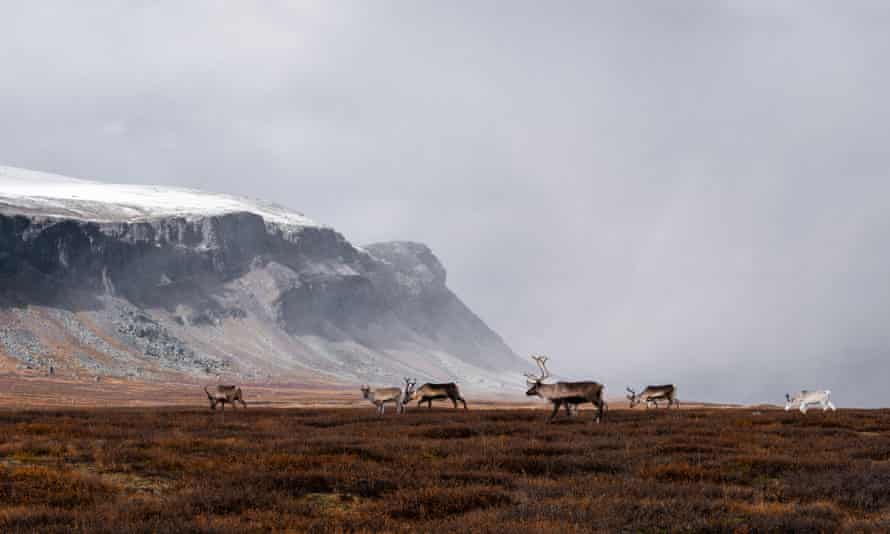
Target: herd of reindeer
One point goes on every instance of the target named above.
(561, 394)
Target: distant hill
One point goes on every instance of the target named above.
(158, 282)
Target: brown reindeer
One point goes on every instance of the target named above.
(652, 394)
(225, 395)
(570, 394)
(429, 392)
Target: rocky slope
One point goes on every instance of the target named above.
(102, 279)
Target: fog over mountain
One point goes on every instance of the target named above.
(693, 192)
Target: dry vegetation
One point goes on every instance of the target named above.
(178, 470)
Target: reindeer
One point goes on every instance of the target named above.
(379, 398)
(410, 386)
(225, 395)
(430, 392)
(569, 394)
(805, 398)
(653, 394)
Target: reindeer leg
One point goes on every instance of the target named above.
(429, 404)
(463, 401)
(556, 405)
(454, 402)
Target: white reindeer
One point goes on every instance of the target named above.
(806, 398)
(379, 397)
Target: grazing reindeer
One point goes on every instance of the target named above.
(225, 395)
(805, 398)
(570, 394)
(653, 394)
(379, 398)
(430, 392)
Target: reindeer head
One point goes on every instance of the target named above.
(410, 385)
(366, 390)
(534, 382)
(632, 397)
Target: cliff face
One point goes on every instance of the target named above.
(242, 293)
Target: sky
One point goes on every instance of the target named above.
(647, 192)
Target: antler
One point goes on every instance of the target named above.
(542, 365)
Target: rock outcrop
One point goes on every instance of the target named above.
(256, 293)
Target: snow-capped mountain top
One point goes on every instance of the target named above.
(51, 195)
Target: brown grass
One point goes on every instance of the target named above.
(262, 470)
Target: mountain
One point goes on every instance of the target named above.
(157, 282)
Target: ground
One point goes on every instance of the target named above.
(324, 470)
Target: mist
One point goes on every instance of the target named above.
(693, 193)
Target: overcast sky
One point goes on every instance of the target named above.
(648, 192)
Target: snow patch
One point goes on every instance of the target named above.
(53, 195)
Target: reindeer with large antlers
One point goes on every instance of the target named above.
(570, 394)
